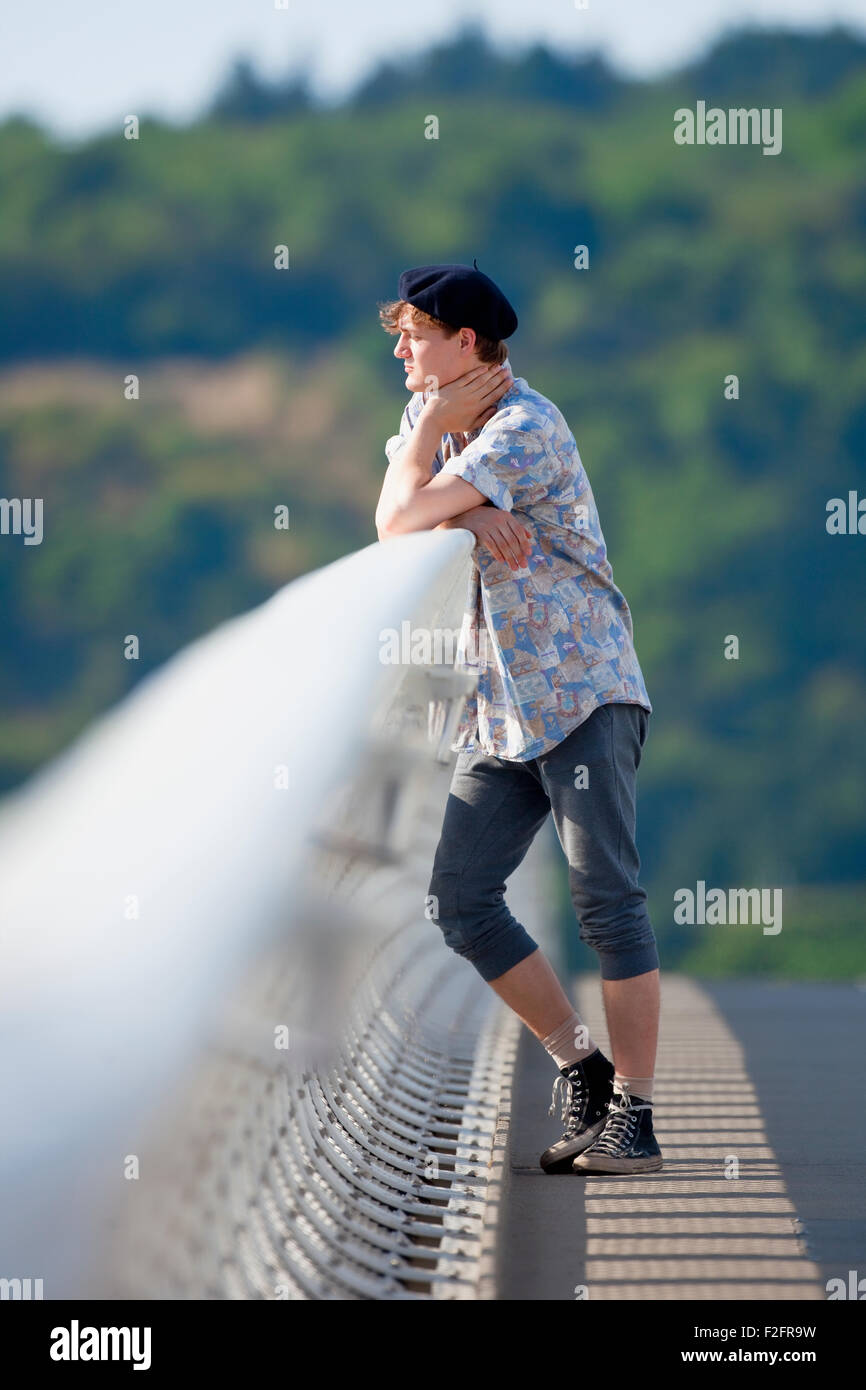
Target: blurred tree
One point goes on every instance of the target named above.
(245, 96)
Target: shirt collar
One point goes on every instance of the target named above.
(513, 387)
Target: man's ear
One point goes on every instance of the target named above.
(467, 340)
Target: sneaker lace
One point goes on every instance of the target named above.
(619, 1129)
(569, 1090)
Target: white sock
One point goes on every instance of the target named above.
(570, 1042)
(636, 1086)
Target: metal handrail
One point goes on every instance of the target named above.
(236, 854)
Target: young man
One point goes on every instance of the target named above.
(561, 712)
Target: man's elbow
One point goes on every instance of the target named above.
(383, 526)
(393, 522)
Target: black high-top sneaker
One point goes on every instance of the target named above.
(627, 1143)
(584, 1089)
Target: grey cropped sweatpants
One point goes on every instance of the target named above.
(495, 808)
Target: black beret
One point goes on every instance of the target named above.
(459, 295)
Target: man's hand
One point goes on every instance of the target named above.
(502, 534)
(469, 402)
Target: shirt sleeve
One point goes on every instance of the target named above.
(396, 442)
(509, 462)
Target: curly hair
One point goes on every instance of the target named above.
(487, 349)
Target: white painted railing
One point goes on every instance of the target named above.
(235, 1058)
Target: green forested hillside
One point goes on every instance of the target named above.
(260, 387)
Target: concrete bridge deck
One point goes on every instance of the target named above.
(758, 1078)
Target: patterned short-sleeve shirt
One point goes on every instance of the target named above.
(554, 640)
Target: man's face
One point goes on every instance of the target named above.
(426, 353)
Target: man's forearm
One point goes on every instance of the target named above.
(410, 470)
(464, 521)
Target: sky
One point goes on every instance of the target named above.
(81, 66)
